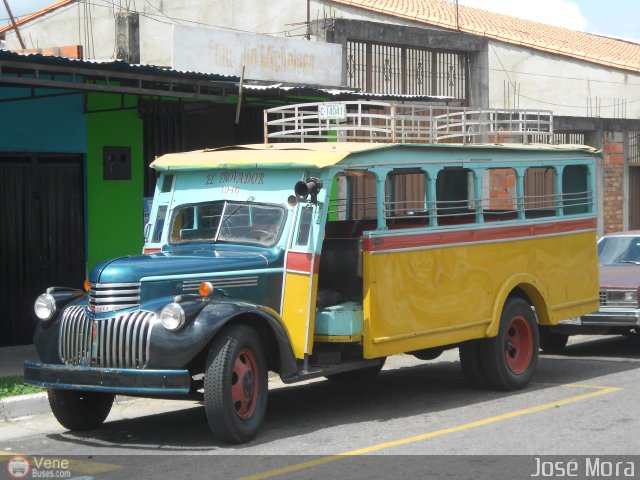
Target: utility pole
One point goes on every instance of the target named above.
(15, 25)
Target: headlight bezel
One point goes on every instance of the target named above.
(45, 300)
(173, 317)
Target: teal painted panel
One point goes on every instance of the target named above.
(54, 124)
(344, 320)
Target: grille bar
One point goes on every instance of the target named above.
(107, 297)
(117, 342)
(250, 281)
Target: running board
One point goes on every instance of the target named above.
(316, 371)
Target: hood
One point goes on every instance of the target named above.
(625, 275)
(132, 269)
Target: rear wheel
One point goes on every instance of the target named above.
(235, 385)
(551, 342)
(509, 359)
(80, 410)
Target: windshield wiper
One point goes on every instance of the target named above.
(224, 218)
(635, 262)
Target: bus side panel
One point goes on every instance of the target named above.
(453, 290)
(298, 314)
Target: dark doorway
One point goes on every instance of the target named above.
(42, 235)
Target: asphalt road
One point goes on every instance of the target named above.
(407, 423)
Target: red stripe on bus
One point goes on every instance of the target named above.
(151, 250)
(494, 233)
(301, 262)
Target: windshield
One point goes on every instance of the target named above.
(612, 250)
(242, 222)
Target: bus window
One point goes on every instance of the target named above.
(352, 204)
(499, 194)
(405, 202)
(304, 226)
(576, 195)
(540, 192)
(455, 197)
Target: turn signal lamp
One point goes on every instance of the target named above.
(205, 289)
(86, 285)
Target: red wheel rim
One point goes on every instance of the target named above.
(518, 347)
(244, 384)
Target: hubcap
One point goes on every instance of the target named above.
(518, 346)
(244, 384)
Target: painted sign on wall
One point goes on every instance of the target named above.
(264, 57)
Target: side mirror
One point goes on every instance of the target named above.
(311, 187)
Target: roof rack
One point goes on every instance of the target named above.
(393, 122)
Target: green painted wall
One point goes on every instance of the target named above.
(114, 207)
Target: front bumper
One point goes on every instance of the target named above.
(613, 317)
(122, 381)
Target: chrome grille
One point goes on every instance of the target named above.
(107, 297)
(118, 342)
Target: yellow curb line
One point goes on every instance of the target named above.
(438, 433)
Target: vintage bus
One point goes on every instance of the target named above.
(322, 258)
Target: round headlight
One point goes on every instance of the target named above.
(630, 296)
(172, 316)
(45, 306)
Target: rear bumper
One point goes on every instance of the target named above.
(120, 381)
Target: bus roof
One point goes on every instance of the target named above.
(317, 155)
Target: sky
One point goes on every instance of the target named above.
(613, 18)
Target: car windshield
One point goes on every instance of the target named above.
(622, 249)
(242, 222)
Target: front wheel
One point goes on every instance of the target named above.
(80, 411)
(509, 360)
(235, 385)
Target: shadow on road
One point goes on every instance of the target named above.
(425, 389)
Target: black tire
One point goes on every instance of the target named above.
(471, 363)
(79, 411)
(427, 353)
(552, 342)
(235, 385)
(509, 359)
(361, 374)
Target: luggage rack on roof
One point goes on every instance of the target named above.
(391, 122)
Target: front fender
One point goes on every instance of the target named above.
(176, 349)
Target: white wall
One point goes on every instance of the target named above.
(264, 57)
(561, 84)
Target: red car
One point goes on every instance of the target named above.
(619, 313)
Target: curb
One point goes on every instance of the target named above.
(23, 405)
(12, 408)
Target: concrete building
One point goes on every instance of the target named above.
(426, 47)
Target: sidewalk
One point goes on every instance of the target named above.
(11, 360)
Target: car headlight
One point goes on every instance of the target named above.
(45, 306)
(172, 316)
(631, 296)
